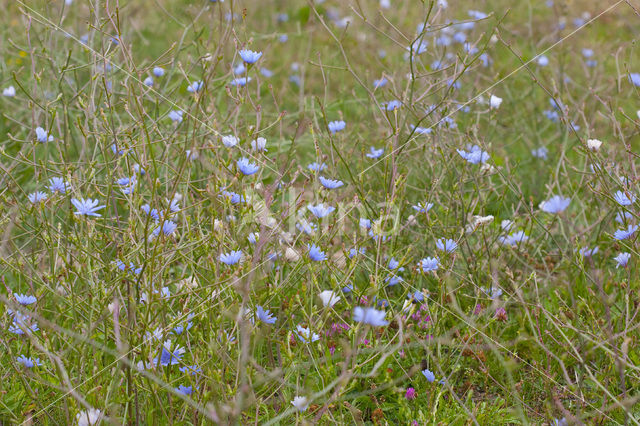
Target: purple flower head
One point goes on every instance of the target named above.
(168, 227)
(317, 167)
(369, 316)
(543, 61)
(300, 403)
(233, 197)
(316, 254)
(416, 296)
(306, 335)
(588, 252)
(555, 204)
(514, 239)
(392, 105)
(330, 183)
(28, 362)
(24, 299)
(86, 207)
(623, 234)
(43, 136)
(624, 199)
(375, 153)
(622, 259)
(393, 264)
(320, 210)
(249, 56)
(493, 292)
(259, 144)
(22, 324)
(622, 217)
(392, 280)
(169, 356)
(58, 184)
(560, 422)
(231, 258)
(151, 212)
(460, 37)
(421, 130)
(184, 390)
(190, 369)
(239, 69)
(128, 185)
(411, 394)
(429, 375)
(447, 245)
(422, 207)
(541, 153)
(131, 268)
(181, 328)
(353, 252)
(37, 197)
(265, 315)
(229, 141)
(380, 83)
(240, 81)
(474, 155)
(246, 167)
(429, 264)
(308, 228)
(176, 115)
(195, 86)
(336, 126)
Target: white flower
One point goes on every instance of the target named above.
(291, 255)
(481, 220)
(329, 298)
(488, 168)
(189, 283)
(300, 402)
(478, 221)
(593, 144)
(90, 417)
(495, 102)
(285, 238)
(113, 306)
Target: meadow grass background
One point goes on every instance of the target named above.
(554, 342)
